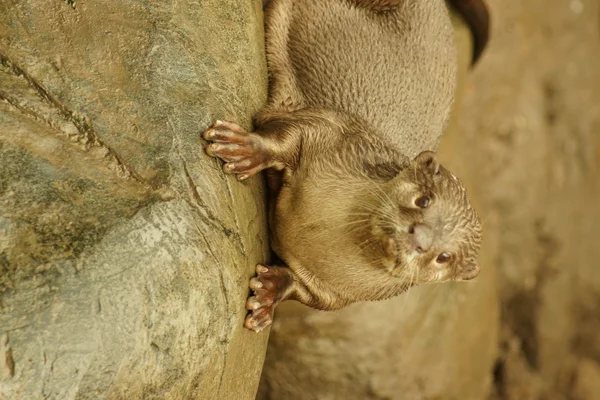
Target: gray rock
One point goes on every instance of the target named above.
(124, 250)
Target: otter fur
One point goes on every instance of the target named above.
(359, 208)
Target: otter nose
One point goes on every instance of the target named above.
(422, 237)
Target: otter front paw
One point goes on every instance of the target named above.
(244, 153)
(270, 286)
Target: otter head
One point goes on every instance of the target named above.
(427, 228)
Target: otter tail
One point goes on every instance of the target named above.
(476, 14)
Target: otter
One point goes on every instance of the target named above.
(359, 206)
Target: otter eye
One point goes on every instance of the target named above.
(443, 258)
(422, 202)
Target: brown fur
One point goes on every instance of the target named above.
(358, 90)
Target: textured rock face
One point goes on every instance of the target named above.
(124, 251)
(525, 140)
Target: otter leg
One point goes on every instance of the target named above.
(271, 285)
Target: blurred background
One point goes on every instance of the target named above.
(525, 139)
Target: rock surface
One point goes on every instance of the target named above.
(124, 250)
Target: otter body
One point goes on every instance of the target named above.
(345, 56)
(360, 209)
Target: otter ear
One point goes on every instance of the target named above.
(427, 160)
(470, 272)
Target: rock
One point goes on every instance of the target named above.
(125, 251)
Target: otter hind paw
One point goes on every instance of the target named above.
(243, 152)
(270, 286)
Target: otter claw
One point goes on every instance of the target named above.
(261, 269)
(259, 319)
(256, 325)
(255, 284)
(209, 134)
(252, 303)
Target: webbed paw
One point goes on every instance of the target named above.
(244, 152)
(270, 286)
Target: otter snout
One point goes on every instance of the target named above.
(421, 236)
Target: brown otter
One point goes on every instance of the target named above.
(360, 209)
